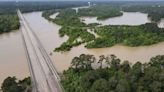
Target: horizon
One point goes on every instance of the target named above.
(85, 0)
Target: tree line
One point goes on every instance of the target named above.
(113, 75)
(101, 11)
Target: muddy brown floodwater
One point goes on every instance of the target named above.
(48, 33)
(12, 56)
(128, 18)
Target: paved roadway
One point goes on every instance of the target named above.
(43, 74)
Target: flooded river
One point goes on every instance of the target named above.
(13, 60)
(12, 56)
(48, 34)
(128, 18)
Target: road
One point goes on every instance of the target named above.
(43, 73)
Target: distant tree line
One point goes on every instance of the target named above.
(29, 6)
(155, 12)
(101, 11)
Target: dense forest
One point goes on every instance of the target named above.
(113, 75)
(8, 22)
(11, 84)
(103, 74)
(110, 35)
(68, 17)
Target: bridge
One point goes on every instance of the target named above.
(43, 74)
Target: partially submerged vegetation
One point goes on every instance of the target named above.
(77, 35)
(145, 34)
(76, 30)
(71, 27)
(11, 84)
(47, 14)
(115, 76)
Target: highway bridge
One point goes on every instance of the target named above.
(43, 74)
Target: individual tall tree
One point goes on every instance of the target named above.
(76, 63)
(125, 66)
(101, 60)
(115, 62)
(88, 60)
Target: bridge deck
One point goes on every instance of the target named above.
(43, 73)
